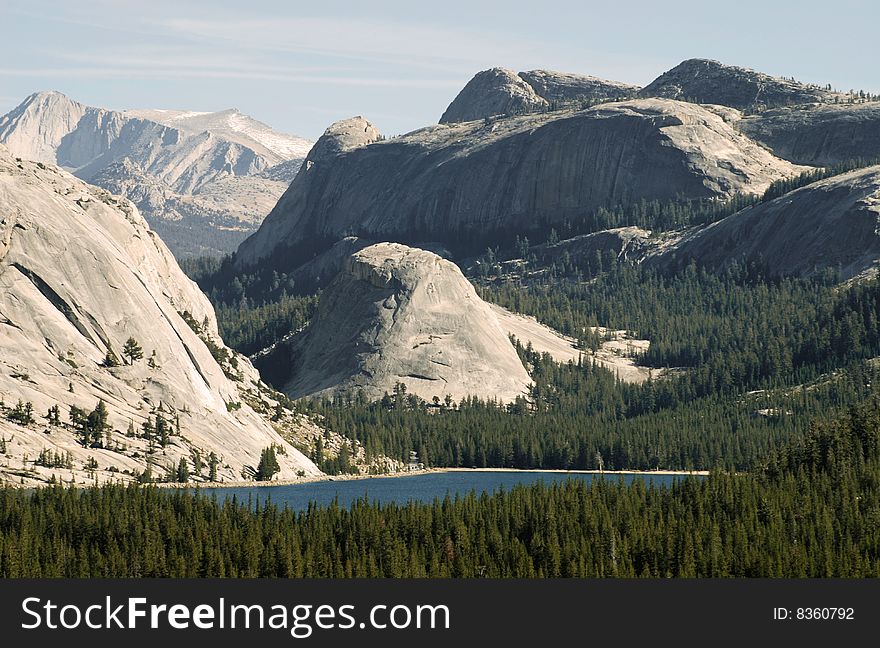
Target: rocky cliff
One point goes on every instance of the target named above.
(452, 181)
(396, 314)
(80, 274)
(190, 153)
(832, 224)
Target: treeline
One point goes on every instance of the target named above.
(734, 331)
(254, 310)
(813, 511)
(579, 416)
(249, 329)
(782, 187)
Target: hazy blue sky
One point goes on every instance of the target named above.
(301, 65)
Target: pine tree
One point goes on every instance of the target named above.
(54, 415)
(132, 350)
(268, 466)
(22, 413)
(110, 359)
(163, 432)
(79, 422)
(182, 471)
(97, 425)
(213, 462)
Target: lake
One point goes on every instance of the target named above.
(420, 488)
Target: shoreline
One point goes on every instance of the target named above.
(426, 471)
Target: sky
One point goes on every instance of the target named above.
(299, 66)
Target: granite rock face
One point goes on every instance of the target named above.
(563, 87)
(81, 273)
(500, 91)
(625, 243)
(819, 134)
(833, 223)
(451, 180)
(710, 82)
(343, 136)
(218, 154)
(497, 91)
(396, 314)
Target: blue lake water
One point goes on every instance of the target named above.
(420, 488)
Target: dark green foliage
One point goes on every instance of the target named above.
(268, 466)
(54, 416)
(54, 459)
(735, 331)
(782, 187)
(91, 427)
(163, 431)
(213, 463)
(249, 329)
(96, 425)
(254, 310)
(579, 410)
(22, 413)
(132, 350)
(182, 474)
(110, 359)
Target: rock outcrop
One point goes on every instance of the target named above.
(80, 274)
(341, 137)
(832, 224)
(710, 82)
(561, 88)
(190, 153)
(624, 243)
(396, 314)
(497, 91)
(452, 181)
(819, 135)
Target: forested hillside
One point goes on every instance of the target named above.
(812, 510)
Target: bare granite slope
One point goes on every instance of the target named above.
(819, 135)
(80, 273)
(396, 314)
(709, 82)
(497, 91)
(564, 87)
(451, 180)
(833, 223)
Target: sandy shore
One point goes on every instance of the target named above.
(427, 471)
(581, 472)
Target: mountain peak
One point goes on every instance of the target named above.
(496, 91)
(34, 129)
(709, 81)
(42, 95)
(344, 135)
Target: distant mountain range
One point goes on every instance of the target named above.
(203, 180)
